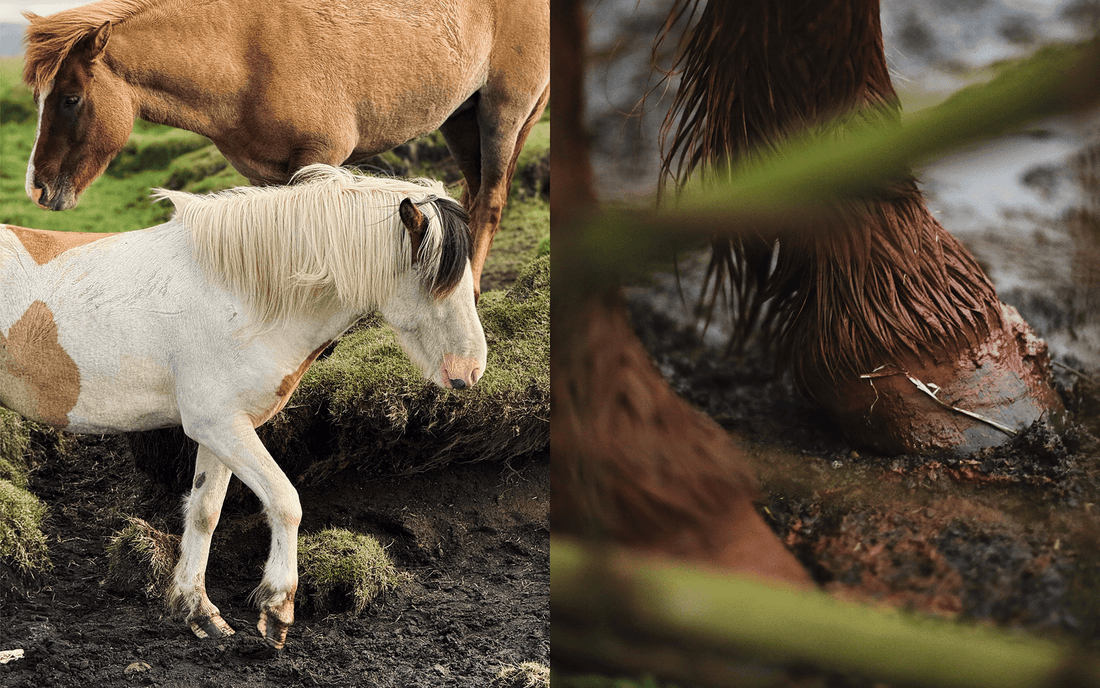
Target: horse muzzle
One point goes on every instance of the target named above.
(61, 198)
(459, 372)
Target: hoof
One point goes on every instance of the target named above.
(211, 627)
(981, 397)
(272, 629)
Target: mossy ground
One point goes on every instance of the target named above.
(22, 542)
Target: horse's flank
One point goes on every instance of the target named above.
(288, 250)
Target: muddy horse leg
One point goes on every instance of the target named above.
(237, 447)
(201, 511)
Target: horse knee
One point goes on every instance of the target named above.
(286, 509)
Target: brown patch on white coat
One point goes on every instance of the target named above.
(44, 246)
(287, 386)
(38, 378)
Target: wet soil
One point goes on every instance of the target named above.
(474, 540)
(1008, 535)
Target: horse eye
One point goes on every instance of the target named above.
(71, 101)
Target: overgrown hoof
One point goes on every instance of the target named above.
(272, 629)
(978, 398)
(211, 627)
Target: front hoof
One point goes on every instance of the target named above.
(272, 629)
(213, 626)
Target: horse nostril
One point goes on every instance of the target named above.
(458, 384)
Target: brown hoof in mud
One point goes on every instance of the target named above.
(964, 402)
(211, 627)
(272, 629)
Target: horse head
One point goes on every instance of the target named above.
(433, 309)
(85, 115)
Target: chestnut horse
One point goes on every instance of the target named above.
(210, 320)
(282, 84)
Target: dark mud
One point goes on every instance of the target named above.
(474, 539)
(1009, 535)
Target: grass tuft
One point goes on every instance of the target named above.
(22, 541)
(337, 564)
(524, 675)
(140, 560)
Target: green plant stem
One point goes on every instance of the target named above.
(649, 599)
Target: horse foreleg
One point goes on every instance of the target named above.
(202, 509)
(238, 448)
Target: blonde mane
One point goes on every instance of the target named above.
(48, 40)
(331, 237)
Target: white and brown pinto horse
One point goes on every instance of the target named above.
(210, 320)
(281, 84)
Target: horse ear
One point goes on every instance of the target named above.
(415, 222)
(96, 41)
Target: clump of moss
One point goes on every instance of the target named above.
(22, 541)
(337, 564)
(141, 559)
(525, 675)
(15, 438)
(367, 406)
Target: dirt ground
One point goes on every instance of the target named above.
(1009, 536)
(474, 538)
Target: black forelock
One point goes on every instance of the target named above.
(457, 244)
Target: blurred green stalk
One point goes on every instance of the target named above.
(611, 593)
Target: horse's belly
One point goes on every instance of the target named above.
(139, 396)
(45, 384)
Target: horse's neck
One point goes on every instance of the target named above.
(170, 83)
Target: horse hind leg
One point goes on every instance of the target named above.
(512, 122)
(463, 137)
(202, 508)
